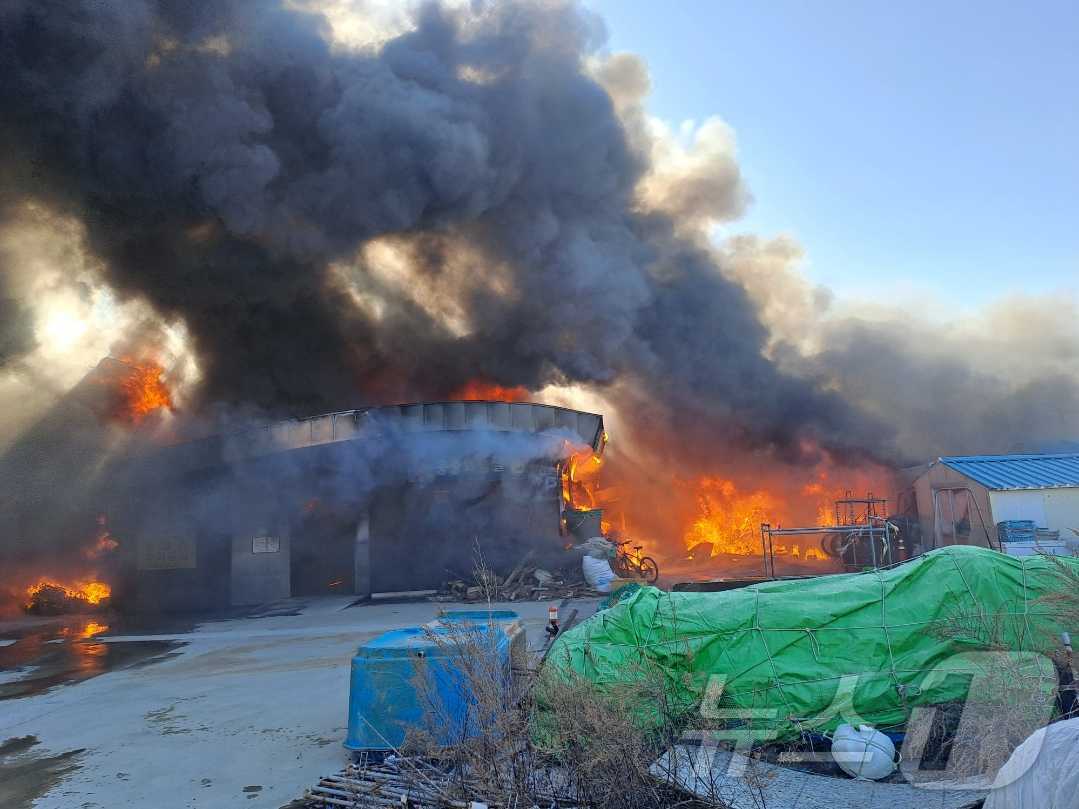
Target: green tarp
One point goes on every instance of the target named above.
(811, 653)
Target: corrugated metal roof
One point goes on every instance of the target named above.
(353, 425)
(1019, 471)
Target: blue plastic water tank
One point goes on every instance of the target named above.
(383, 699)
(477, 616)
(506, 620)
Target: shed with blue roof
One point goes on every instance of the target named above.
(962, 499)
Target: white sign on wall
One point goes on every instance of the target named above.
(266, 544)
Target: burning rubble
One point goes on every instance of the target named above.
(700, 523)
(729, 521)
(73, 585)
(47, 597)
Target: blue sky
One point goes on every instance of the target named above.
(904, 145)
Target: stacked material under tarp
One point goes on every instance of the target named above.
(1016, 530)
(1025, 531)
(812, 652)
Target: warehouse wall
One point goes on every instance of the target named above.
(182, 571)
(460, 475)
(1055, 509)
(1062, 511)
(422, 534)
(260, 567)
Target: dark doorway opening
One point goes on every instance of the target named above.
(323, 545)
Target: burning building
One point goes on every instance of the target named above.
(475, 205)
(365, 501)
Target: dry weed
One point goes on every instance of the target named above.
(548, 740)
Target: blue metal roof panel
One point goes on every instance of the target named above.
(1019, 471)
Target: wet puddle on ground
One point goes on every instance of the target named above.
(26, 774)
(44, 657)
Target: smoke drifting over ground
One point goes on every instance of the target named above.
(480, 195)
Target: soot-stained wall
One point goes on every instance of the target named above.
(386, 510)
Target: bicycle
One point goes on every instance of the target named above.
(633, 565)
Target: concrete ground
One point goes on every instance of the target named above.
(240, 712)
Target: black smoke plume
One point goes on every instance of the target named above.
(230, 165)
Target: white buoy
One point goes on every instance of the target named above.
(864, 753)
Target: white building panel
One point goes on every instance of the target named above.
(1019, 505)
(1062, 512)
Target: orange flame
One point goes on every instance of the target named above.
(142, 391)
(482, 390)
(728, 519)
(91, 592)
(103, 545)
(580, 478)
(684, 516)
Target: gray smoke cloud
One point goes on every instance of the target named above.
(941, 401)
(16, 317)
(16, 328)
(233, 168)
(998, 379)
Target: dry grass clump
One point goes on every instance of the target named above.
(1012, 688)
(604, 742)
(553, 739)
(1063, 601)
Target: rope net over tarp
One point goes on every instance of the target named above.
(810, 654)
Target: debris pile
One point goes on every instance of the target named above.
(524, 583)
(747, 782)
(405, 781)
